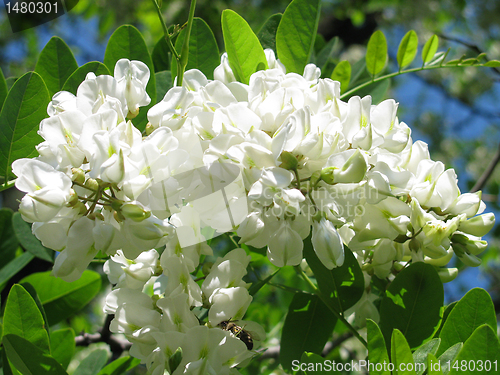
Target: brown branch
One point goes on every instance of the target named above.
(116, 345)
(481, 183)
(274, 351)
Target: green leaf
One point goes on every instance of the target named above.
(22, 318)
(480, 347)
(163, 84)
(326, 55)
(10, 82)
(8, 240)
(29, 288)
(413, 304)
(203, 49)
(420, 355)
(308, 326)
(401, 354)
(128, 43)
(309, 361)
(120, 366)
(93, 363)
(377, 352)
(473, 310)
(61, 299)
(62, 343)
(28, 359)
(28, 240)
(342, 73)
(407, 49)
(297, 33)
(3, 89)
(449, 356)
(161, 56)
(256, 286)
(78, 76)
(430, 49)
(267, 33)
(13, 267)
(244, 52)
(492, 64)
(24, 108)
(343, 285)
(433, 365)
(376, 53)
(447, 311)
(55, 64)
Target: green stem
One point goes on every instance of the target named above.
(182, 62)
(7, 185)
(165, 31)
(413, 70)
(328, 304)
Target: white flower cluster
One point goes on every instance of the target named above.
(267, 160)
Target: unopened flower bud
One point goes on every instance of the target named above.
(175, 360)
(73, 198)
(118, 216)
(134, 212)
(92, 184)
(288, 161)
(78, 175)
(149, 128)
(478, 225)
(81, 207)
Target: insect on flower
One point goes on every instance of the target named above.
(237, 331)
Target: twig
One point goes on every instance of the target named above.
(480, 184)
(116, 345)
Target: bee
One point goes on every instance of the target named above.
(237, 331)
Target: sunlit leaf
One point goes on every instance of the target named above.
(161, 56)
(481, 347)
(420, 355)
(56, 64)
(401, 355)
(296, 34)
(492, 64)
(24, 108)
(376, 53)
(342, 73)
(473, 310)
(120, 366)
(244, 52)
(3, 89)
(62, 343)
(23, 318)
(312, 359)
(377, 352)
(407, 49)
(430, 49)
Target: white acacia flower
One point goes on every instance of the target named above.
(327, 244)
